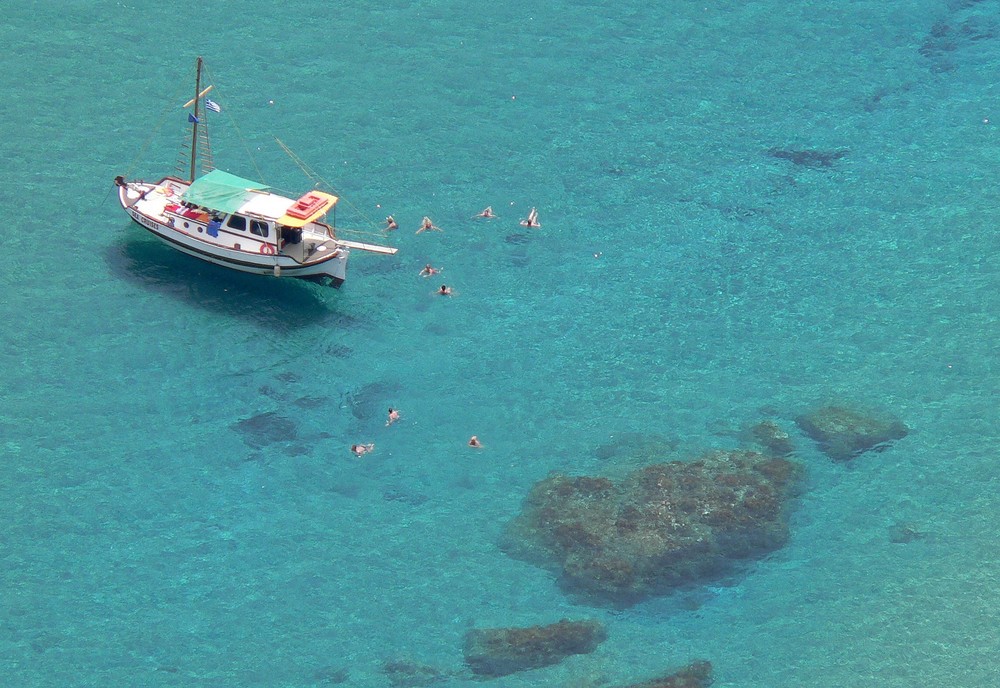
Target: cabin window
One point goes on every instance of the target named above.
(237, 222)
(259, 228)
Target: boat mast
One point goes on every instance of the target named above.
(194, 124)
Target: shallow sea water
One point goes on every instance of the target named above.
(147, 540)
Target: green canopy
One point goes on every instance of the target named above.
(220, 190)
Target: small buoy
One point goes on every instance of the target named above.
(277, 271)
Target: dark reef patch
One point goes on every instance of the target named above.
(266, 428)
(807, 157)
(662, 527)
(371, 400)
(503, 651)
(695, 675)
(958, 32)
(844, 434)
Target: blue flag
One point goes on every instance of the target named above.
(193, 119)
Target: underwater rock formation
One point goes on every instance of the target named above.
(772, 438)
(843, 433)
(502, 651)
(694, 675)
(661, 527)
(901, 533)
(961, 30)
(370, 400)
(807, 158)
(405, 673)
(266, 428)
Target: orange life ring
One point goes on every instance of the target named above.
(267, 249)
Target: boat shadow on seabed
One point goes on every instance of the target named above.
(280, 304)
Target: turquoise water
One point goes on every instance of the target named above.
(148, 541)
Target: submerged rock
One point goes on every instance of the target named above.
(502, 651)
(266, 428)
(772, 438)
(371, 400)
(843, 433)
(517, 238)
(662, 527)
(405, 673)
(331, 675)
(807, 158)
(695, 675)
(902, 533)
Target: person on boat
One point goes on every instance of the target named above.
(291, 235)
(445, 290)
(428, 271)
(390, 223)
(393, 416)
(487, 213)
(532, 219)
(426, 225)
(475, 443)
(362, 449)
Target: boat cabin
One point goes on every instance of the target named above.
(228, 208)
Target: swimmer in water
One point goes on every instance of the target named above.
(393, 417)
(475, 443)
(532, 219)
(427, 225)
(428, 271)
(445, 290)
(390, 223)
(362, 449)
(487, 213)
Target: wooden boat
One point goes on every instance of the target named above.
(238, 223)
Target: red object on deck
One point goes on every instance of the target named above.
(306, 206)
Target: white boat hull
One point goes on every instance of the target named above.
(146, 204)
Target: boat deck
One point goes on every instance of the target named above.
(312, 247)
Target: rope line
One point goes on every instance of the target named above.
(239, 132)
(318, 180)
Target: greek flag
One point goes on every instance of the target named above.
(212, 105)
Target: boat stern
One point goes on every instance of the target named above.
(336, 267)
(333, 271)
